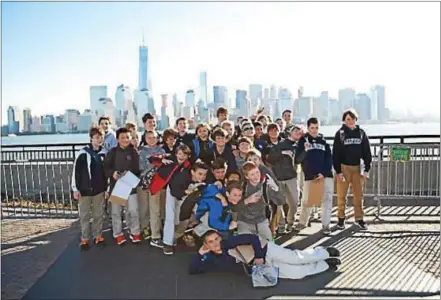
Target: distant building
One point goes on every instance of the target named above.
(363, 106)
(15, 120)
(255, 94)
(188, 112)
(144, 104)
(72, 119)
(243, 105)
(334, 109)
(5, 130)
(144, 79)
(123, 103)
(27, 120)
(190, 100)
(380, 100)
(167, 114)
(346, 98)
(106, 108)
(305, 107)
(203, 89)
(286, 101)
(97, 93)
(85, 121)
(220, 96)
(48, 124)
(60, 124)
(273, 92)
(36, 124)
(176, 106)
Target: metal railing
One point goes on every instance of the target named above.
(36, 179)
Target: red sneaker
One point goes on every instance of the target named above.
(99, 240)
(136, 238)
(84, 245)
(120, 239)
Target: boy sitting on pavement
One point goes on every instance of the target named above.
(252, 209)
(221, 255)
(118, 161)
(89, 187)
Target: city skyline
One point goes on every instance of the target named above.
(227, 64)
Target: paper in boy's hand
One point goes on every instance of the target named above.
(123, 188)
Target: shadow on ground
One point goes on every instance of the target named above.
(25, 259)
(373, 264)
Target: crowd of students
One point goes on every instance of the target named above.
(229, 184)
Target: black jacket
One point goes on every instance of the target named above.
(283, 165)
(180, 182)
(186, 139)
(228, 155)
(121, 160)
(88, 173)
(350, 146)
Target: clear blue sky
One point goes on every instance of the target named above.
(53, 52)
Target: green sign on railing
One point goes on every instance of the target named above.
(400, 154)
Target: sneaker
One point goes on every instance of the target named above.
(146, 233)
(156, 243)
(120, 240)
(332, 262)
(168, 250)
(341, 223)
(99, 240)
(136, 238)
(299, 227)
(84, 244)
(333, 252)
(326, 230)
(361, 224)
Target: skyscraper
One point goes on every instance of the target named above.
(15, 119)
(96, 93)
(190, 98)
(363, 106)
(27, 120)
(203, 90)
(346, 98)
(123, 103)
(381, 102)
(242, 103)
(255, 94)
(220, 95)
(167, 114)
(143, 82)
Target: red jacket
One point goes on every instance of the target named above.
(164, 174)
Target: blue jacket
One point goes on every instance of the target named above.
(219, 217)
(197, 148)
(317, 159)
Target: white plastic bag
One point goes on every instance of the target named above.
(265, 276)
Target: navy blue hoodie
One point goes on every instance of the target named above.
(317, 160)
(224, 263)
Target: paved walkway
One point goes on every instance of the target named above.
(390, 260)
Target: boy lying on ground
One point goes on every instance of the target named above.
(217, 255)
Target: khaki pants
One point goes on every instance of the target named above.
(352, 177)
(150, 212)
(91, 206)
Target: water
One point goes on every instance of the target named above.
(371, 130)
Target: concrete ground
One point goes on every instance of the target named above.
(398, 257)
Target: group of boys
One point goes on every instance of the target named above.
(241, 179)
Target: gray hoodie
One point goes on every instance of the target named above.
(144, 155)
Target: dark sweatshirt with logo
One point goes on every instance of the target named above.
(121, 160)
(317, 160)
(350, 146)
